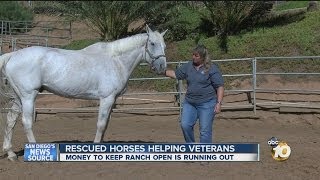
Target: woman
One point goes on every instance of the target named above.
(204, 94)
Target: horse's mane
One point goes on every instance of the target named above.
(119, 46)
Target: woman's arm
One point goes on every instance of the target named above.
(170, 73)
(220, 93)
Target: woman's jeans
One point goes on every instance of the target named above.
(202, 111)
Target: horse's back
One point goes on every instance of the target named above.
(65, 72)
(30, 60)
(46, 57)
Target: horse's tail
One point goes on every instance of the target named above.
(4, 59)
(4, 84)
(6, 92)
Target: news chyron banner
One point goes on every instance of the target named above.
(150, 152)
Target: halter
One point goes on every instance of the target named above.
(154, 58)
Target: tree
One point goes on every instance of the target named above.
(231, 17)
(179, 17)
(110, 19)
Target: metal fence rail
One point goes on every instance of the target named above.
(21, 34)
(251, 92)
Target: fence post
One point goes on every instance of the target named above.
(13, 44)
(9, 27)
(1, 46)
(254, 79)
(70, 29)
(4, 27)
(30, 3)
(180, 94)
(1, 28)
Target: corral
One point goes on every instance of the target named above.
(279, 114)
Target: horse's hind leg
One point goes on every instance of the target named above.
(27, 102)
(12, 116)
(103, 117)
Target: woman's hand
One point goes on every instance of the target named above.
(170, 73)
(217, 108)
(220, 93)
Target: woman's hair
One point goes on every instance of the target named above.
(203, 52)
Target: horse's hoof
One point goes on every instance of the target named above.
(13, 158)
(3, 156)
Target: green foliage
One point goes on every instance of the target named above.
(110, 19)
(180, 20)
(80, 44)
(282, 17)
(285, 5)
(47, 7)
(231, 17)
(14, 11)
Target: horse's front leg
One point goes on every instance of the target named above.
(12, 116)
(103, 117)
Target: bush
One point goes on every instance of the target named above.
(185, 25)
(181, 22)
(47, 7)
(283, 17)
(285, 5)
(13, 11)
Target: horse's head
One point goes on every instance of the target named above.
(155, 54)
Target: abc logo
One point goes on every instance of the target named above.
(273, 143)
(280, 150)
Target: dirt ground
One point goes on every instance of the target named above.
(300, 131)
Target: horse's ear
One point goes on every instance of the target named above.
(148, 29)
(164, 32)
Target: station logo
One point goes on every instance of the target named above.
(280, 150)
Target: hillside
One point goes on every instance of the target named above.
(298, 38)
(79, 30)
(295, 39)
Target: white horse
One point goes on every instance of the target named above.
(100, 71)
